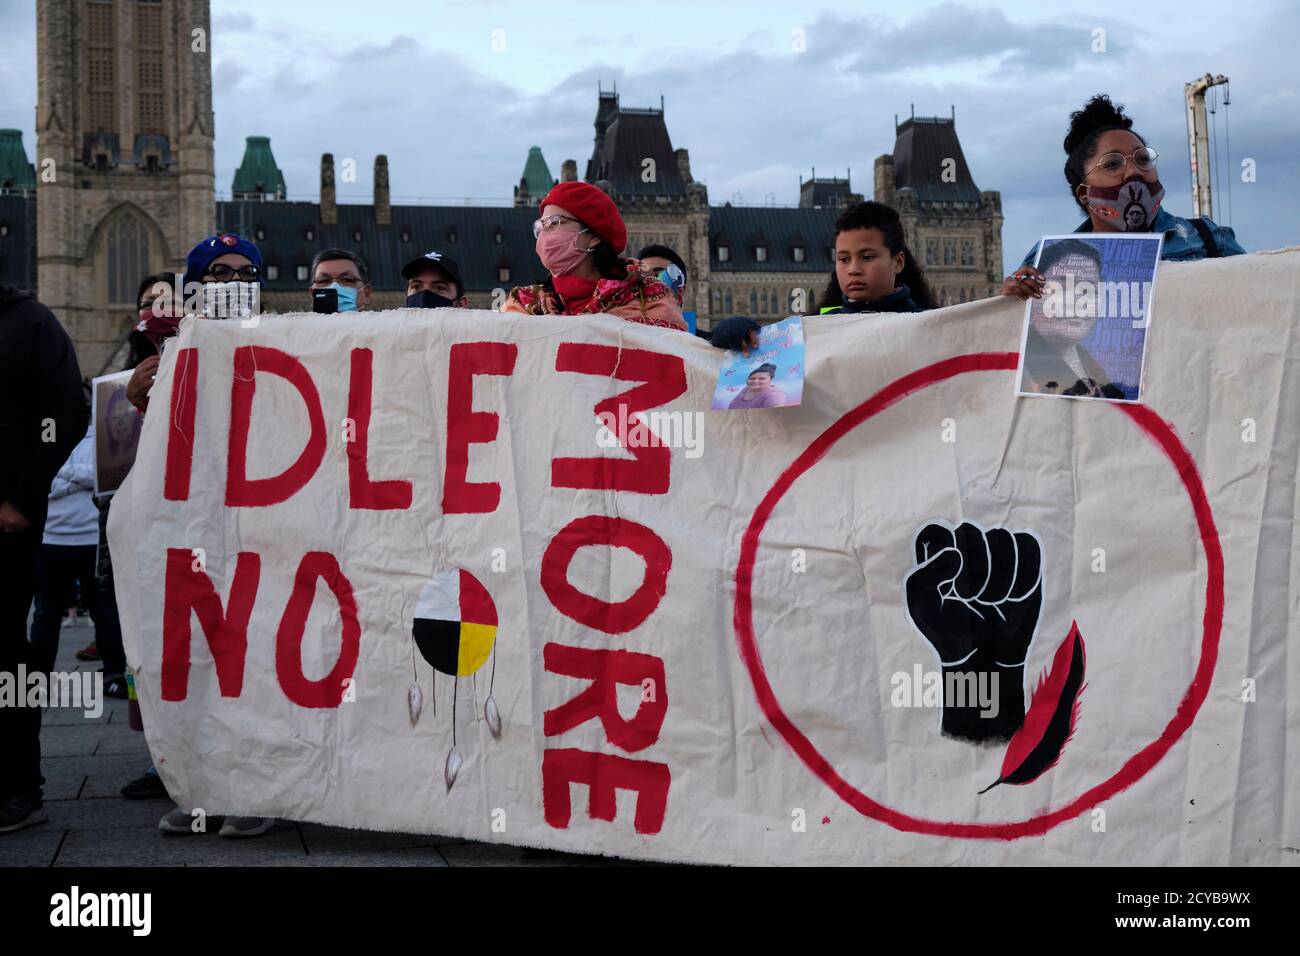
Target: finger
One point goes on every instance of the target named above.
(930, 540)
(1029, 566)
(1002, 565)
(932, 580)
(975, 564)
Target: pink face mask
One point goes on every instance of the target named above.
(559, 251)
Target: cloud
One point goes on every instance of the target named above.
(752, 112)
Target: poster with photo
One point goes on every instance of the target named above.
(117, 431)
(1086, 336)
(770, 376)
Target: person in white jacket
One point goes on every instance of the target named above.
(67, 558)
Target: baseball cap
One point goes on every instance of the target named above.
(447, 265)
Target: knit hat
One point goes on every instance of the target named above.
(213, 247)
(590, 204)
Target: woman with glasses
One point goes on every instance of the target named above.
(580, 237)
(1112, 175)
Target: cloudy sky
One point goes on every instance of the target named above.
(455, 91)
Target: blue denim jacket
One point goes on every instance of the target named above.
(1182, 241)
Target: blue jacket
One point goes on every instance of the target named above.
(1182, 241)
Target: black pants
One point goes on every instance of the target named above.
(57, 568)
(20, 727)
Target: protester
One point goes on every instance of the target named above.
(159, 318)
(663, 263)
(229, 265)
(345, 274)
(42, 418)
(67, 558)
(580, 236)
(874, 272)
(1112, 176)
(217, 259)
(433, 282)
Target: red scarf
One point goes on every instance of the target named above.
(575, 292)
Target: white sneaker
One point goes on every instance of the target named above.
(246, 826)
(176, 821)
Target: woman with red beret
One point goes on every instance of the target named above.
(580, 239)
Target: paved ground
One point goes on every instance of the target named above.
(86, 761)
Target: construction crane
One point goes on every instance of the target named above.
(1198, 141)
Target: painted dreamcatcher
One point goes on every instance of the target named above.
(455, 630)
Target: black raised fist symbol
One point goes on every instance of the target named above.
(975, 596)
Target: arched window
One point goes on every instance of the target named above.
(127, 245)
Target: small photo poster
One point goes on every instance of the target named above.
(1086, 337)
(117, 431)
(771, 376)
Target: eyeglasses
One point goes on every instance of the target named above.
(548, 223)
(224, 273)
(348, 279)
(1144, 158)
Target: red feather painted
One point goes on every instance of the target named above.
(1050, 721)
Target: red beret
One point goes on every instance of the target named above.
(596, 210)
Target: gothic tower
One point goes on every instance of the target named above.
(124, 157)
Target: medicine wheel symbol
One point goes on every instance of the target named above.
(454, 628)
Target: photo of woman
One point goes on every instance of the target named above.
(758, 391)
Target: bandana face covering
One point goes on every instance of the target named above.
(1129, 207)
(231, 300)
(157, 327)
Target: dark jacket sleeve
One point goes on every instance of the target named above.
(733, 333)
(42, 408)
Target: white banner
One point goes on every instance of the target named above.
(394, 571)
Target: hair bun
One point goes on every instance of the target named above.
(1099, 113)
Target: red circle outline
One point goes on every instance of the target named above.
(1151, 424)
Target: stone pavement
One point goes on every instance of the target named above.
(86, 761)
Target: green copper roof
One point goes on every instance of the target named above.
(537, 177)
(15, 171)
(258, 173)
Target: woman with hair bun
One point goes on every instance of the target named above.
(1112, 176)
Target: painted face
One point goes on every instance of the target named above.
(1069, 328)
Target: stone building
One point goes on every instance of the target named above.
(123, 186)
(953, 228)
(124, 140)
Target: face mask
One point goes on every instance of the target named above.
(560, 252)
(231, 300)
(671, 276)
(428, 299)
(347, 297)
(156, 328)
(1129, 207)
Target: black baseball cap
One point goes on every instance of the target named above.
(440, 261)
